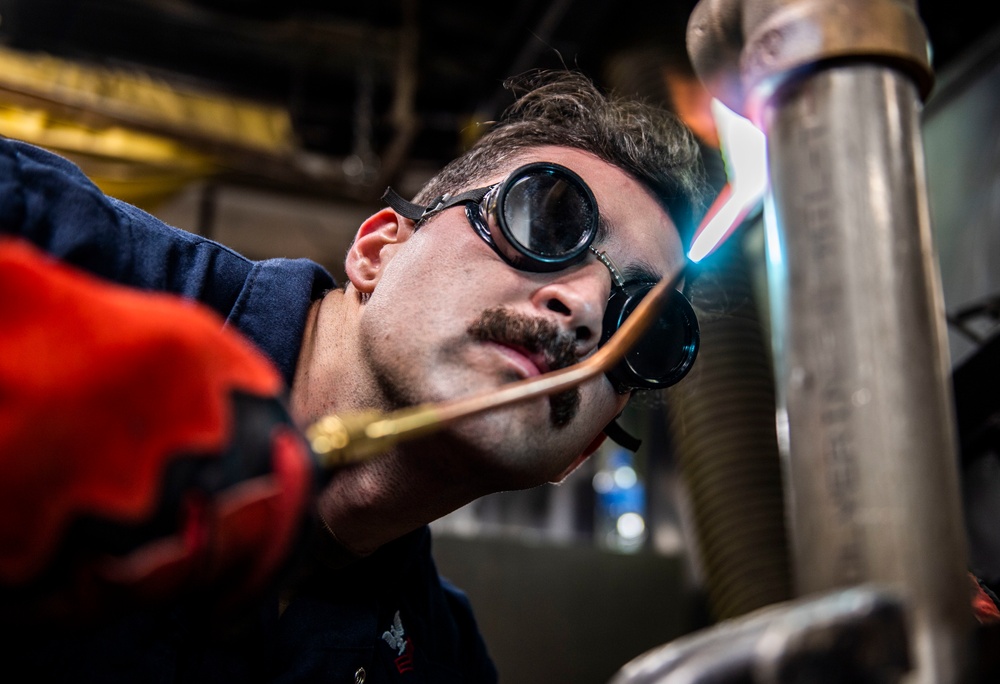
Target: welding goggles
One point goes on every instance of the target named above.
(543, 218)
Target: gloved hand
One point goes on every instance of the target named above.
(145, 451)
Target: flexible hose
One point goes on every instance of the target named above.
(722, 421)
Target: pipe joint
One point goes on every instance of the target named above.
(744, 50)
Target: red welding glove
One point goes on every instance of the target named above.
(145, 452)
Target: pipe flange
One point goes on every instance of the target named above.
(743, 50)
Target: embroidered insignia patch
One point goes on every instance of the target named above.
(394, 636)
(399, 642)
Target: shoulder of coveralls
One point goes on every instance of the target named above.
(49, 201)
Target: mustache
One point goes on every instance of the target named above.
(536, 336)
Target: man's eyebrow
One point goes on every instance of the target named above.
(638, 271)
(604, 229)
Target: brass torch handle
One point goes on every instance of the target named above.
(339, 440)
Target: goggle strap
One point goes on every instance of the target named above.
(415, 212)
(620, 436)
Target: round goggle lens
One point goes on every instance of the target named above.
(542, 218)
(666, 346)
(667, 349)
(547, 215)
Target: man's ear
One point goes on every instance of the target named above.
(374, 246)
(591, 448)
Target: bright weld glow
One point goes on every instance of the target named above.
(772, 236)
(744, 150)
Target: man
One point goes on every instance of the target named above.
(440, 302)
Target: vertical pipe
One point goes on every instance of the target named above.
(861, 359)
(865, 422)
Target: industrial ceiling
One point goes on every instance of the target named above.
(391, 86)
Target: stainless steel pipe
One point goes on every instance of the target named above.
(862, 371)
(864, 407)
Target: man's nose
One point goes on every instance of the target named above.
(576, 300)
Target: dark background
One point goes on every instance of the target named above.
(337, 66)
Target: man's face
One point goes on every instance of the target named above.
(448, 318)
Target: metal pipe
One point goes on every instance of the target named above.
(862, 370)
(850, 635)
(864, 408)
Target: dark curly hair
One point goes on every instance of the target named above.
(566, 108)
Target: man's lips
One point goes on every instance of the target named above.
(515, 336)
(529, 364)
